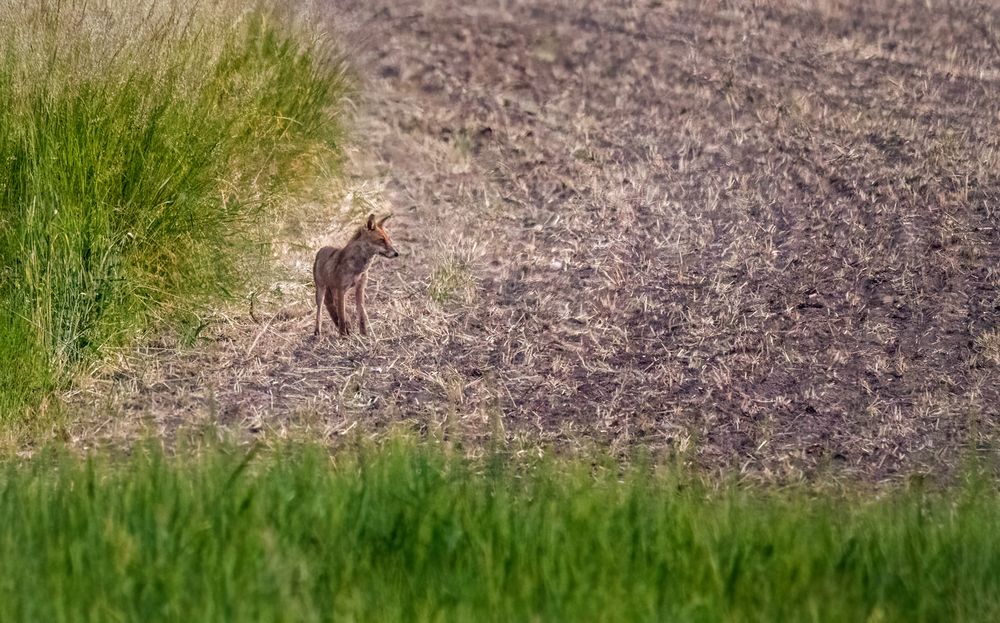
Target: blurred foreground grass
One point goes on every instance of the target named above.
(408, 531)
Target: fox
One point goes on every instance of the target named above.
(335, 271)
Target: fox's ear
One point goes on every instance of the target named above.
(384, 219)
(371, 221)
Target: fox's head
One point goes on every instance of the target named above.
(377, 238)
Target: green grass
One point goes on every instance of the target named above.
(144, 149)
(408, 532)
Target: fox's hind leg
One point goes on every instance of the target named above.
(320, 292)
(342, 312)
(332, 308)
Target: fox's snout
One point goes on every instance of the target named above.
(391, 252)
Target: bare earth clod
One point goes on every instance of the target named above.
(763, 235)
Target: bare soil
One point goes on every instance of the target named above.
(761, 234)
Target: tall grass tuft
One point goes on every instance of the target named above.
(409, 533)
(144, 146)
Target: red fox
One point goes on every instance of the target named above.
(336, 271)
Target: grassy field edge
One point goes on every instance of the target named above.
(148, 150)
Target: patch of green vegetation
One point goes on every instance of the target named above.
(407, 531)
(144, 147)
(449, 280)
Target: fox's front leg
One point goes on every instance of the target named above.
(359, 299)
(341, 311)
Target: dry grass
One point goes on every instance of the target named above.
(765, 236)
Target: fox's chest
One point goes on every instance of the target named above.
(357, 279)
(347, 269)
(352, 276)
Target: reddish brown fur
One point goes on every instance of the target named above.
(336, 271)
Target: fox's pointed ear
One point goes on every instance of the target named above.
(384, 219)
(371, 221)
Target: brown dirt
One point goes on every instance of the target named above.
(765, 234)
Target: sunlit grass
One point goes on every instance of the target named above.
(144, 147)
